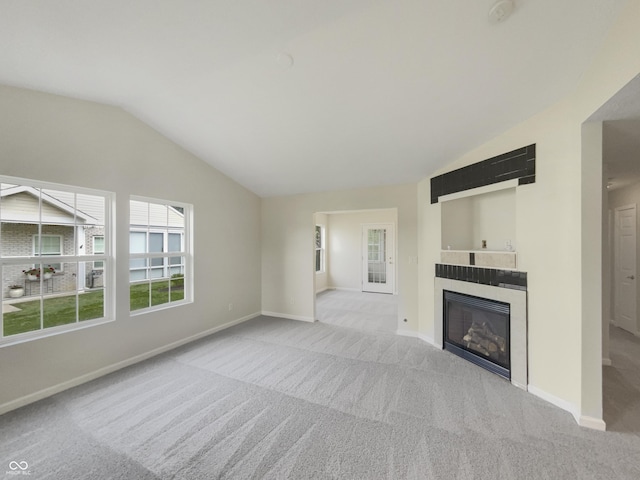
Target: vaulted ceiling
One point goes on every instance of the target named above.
(292, 96)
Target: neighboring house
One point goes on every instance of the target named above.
(156, 227)
(22, 212)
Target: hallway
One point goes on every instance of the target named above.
(621, 383)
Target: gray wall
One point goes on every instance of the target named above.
(57, 139)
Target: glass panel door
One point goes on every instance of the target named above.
(378, 255)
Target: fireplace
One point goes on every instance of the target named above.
(478, 330)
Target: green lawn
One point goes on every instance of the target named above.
(139, 293)
(62, 310)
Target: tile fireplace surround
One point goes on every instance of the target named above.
(518, 323)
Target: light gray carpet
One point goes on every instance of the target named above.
(360, 310)
(277, 399)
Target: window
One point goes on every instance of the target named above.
(48, 245)
(156, 242)
(376, 245)
(98, 249)
(46, 225)
(320, 249)
(159, 254)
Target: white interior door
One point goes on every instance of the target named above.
(625, 268)
(378, 259)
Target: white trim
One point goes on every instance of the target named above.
(494, 187)
(592, 423)
(430, 341)
(558, 402)
(31, 186)
(345, 289)
(288, 317)
(87, 377)
(322, 290)
(156, 308)
(186, 252)
(17, 338)
(407, 333)
(421, 336)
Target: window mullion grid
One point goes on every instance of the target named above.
(1, 268)
(76, 252)
(165, 246)
(147, 250)
(40, 255)
(39, 259)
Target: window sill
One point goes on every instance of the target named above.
(157, 308)
(52, 331)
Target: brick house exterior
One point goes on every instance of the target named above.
(18, 237)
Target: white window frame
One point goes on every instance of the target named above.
(322, 248)
(186, 253)
(107, 258)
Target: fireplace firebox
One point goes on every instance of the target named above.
(477, 329)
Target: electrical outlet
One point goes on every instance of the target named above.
(230, 306)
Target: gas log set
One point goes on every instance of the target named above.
(482, 339)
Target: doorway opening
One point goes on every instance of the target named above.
(355, 269)
(619, 131)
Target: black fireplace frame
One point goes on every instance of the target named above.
(489, 305)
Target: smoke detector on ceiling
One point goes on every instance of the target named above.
(500, 11)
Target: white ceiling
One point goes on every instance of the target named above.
(380, 92)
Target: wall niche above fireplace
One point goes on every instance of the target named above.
(488, 217)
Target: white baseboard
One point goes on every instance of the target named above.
(421, 336)
(322, 290)
(407, 333)
(430, 340)
(344, 289)
(592, 423)
(87, 377)
(287, 316)
(606, 362)
(558, 402)
(582, 420)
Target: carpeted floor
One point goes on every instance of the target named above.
(360, 310)
(278, 399)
